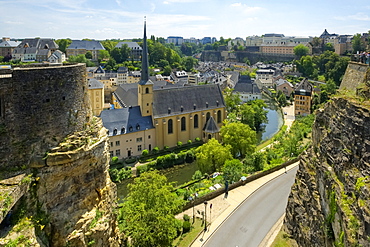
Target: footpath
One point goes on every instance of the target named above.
(223, 207)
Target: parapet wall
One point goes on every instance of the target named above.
(39, 106)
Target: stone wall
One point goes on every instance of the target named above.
(356, 74)
(39, 107)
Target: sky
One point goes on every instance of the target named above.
(123, 19)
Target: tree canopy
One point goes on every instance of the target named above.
(240, 137)
(148, 213)
(301, 50)
(211, 156)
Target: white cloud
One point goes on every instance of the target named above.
(245, 8)
(236, 5)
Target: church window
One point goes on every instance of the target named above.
(208, 116)
(183, 124)
(196, 121)
(170, 126)
(219, 116)
(147, 90)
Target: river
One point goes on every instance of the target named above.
(183, 173)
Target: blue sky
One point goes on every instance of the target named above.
(106, 19)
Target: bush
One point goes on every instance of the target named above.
(197, 175)
(179, 144)
(130, 160)
(186, 226)
(166, 147)
(197, 139)
(145, 152)
(141, 169)
(186, 217)
(114, 160)
(155, 150)
(190, 142)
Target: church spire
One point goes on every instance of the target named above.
(145, 62)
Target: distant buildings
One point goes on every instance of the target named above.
(7, 46)
(302, 98)
(78, 47)
(34, 50)
(136, 50)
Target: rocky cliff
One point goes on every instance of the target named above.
(330, 201)
(67, 197)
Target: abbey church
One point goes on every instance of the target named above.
(156, 115)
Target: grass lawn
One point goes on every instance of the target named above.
(283, 240)
(186, 239)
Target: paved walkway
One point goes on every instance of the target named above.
(223, 207)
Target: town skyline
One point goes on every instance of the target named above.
(118, 19)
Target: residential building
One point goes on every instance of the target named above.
(78, 47)
(7, 46)
(285, 86)
(96, 93)
(57, 57)
(34, 50)
(163, 114)
(136, 50)
(247, 89)
(302, 98)
(122, 73)
(177, 40)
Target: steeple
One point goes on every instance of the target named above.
(145, 62)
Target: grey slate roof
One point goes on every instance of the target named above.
(39, 43)
(128, 118)
(131, 45)
(126, 94)
(86, 44)
(246, 85)
(186, 99)
(211, 126)
(9, 43)
(282, 81)
(95, 84)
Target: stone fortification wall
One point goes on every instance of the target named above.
(40, 105)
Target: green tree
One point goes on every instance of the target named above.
(232, 100)
(301, 50)
(103, 55)
(80, 59)
(357, 45)
(254, 114)
(240, 137)
(281, 98)
(88, 55)
(109, 44)
(329, 47)
(148, 213)
(211, 156)
(63, 44)
(188, 63)
(232, 170)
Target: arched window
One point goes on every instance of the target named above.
(183, 124)
(169, 126)
(147, 90)
(196, 121)
(123, 130)
(219, 116)
(209, 137)
(208, 116)
(115, 132)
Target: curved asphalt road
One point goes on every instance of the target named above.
(254, 218)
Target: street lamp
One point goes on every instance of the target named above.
(205, 216)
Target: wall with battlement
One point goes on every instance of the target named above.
(39, 106)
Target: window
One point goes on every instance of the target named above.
(123, 130)
(219, 116)
(118, 152)
(208, 116)
(139, 148)
(118, 143)
(115, 132)
(150, 147)
(111, 153)
(196, 121)
(170, 127)
(140, 139)
(147, 90)
(183, 124)
(111, 144)
(149, 136)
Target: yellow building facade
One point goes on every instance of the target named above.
(96, 93)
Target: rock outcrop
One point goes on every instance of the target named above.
(330, 201)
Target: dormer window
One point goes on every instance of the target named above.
(123, 130)
(195, 106)
(182, 108)
(130, 128)
(217, 103)
(206, 104)
(115, 132)
(137, 126)
(169, 110)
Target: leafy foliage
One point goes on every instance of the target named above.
(212, 156)
(148, 214)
